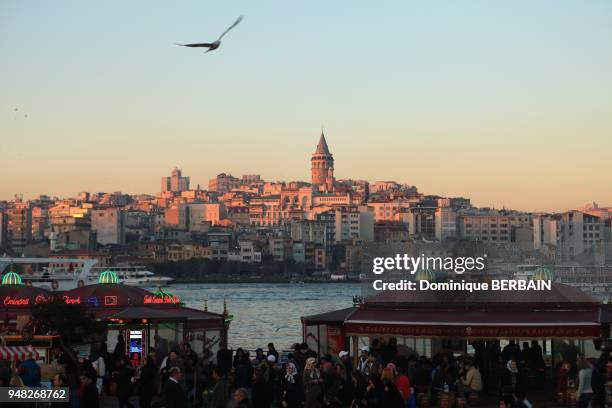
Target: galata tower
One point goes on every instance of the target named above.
(322, 166)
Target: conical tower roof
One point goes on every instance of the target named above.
(322, 146)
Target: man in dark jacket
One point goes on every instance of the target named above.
(222, 389)
(173, 394)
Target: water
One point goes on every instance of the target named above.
(264, 312)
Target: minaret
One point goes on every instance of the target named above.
(322, 166)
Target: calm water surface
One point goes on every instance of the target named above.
(267, 312)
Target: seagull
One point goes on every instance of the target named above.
(213, 45)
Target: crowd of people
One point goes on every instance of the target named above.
(380, 377)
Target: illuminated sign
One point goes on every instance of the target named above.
(42, 299)
(16, 301)
(149, 299)
(93, 301)
(110, 301)
(72, 300)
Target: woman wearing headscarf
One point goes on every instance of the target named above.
(511, 379)
(312, 381)
(290, 387)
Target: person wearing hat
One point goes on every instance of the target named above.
(345, 371)
(365, 363)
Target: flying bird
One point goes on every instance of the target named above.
(215, 44)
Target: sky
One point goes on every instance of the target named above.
(508, 103)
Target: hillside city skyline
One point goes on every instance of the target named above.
(203, 185)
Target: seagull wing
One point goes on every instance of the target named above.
(238, 20)
(207, 45)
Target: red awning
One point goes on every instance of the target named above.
(475, 324)
(18, 353)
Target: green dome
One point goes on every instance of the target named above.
(11, 278)
(542, 273)
(108, 276)
(425, 274)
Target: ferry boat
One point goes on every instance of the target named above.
(65, 274)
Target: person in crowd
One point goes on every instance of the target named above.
(172, 360)
(511, 379)
(262, 391)
(147, 383)
(224, 359)
(374, 392)
(221, 391)
(243, 369)
(190, 360)
(272, 351)
(563, 378)
(59, 381)
(99, 365)
(422, 376)
(312, 382)
(5, 372)
(364, 359)
(402, 381)
(173, 393)
(511, 352)
(125, 386)
(345, 369)
(391, 397)
(332, 383)
(471, 380)
(16, 381)
(241, 397)
(507, 401)
(522, 401)
(290, 397)
(88, 392)
(29, 371)
(584, 393)
(119, 349)
(360, 384)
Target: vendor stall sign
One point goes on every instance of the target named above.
(69, 300)
(16, 301)
(151, 299)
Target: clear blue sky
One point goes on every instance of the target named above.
(505, 102)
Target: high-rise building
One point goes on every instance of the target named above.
(322, 166)
(19, 225)
(176, 183)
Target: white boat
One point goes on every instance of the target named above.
(66, 274)
(134, 276)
